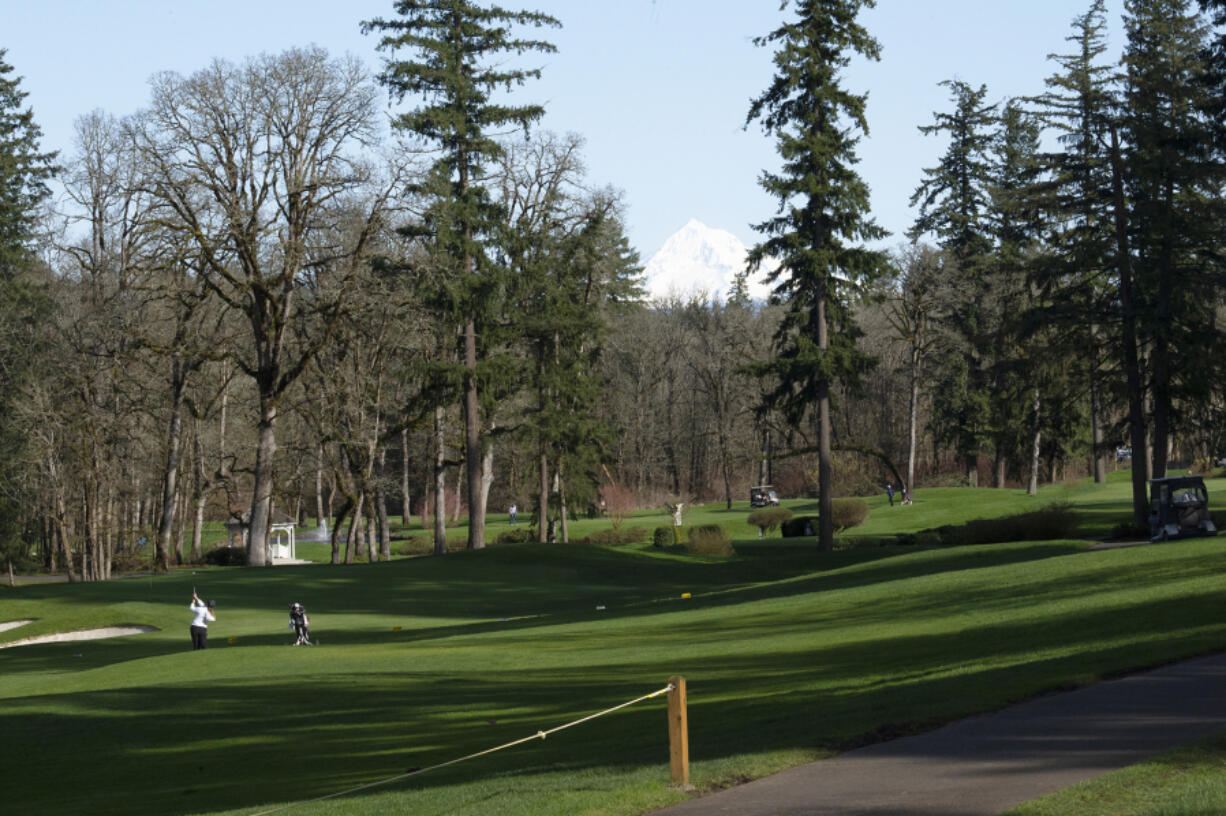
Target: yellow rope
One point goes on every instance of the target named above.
(398, 777)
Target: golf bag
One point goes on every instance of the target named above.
(300, 623)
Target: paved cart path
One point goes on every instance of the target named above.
(984, 765)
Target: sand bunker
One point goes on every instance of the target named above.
(14, 624)
(83, 634)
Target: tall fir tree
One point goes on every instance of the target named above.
(24, 172)
(818, 231)
(1174, 180)
(1074, 276)
(1015, 224)
(954, 201)
(455, 67)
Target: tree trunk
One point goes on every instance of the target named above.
(372, 532)
(261, 501)
(197, 531)
(459, 492)
(472, 437)
(825, 490)
(1097, 437)
(913, 419)
(385, 528)
(355, 531)
(440, 485)
(542, 502)
(336, 530)
(1132, 367)
(561, 485)
(487, 479)
(170, 479)
(320, 515)
(1036, 448)
(359, 529)
(406, 506)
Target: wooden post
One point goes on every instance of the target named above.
(678, 733)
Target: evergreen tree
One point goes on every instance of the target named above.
(1215, 68)
(1015, 224)
(1074, 276)
(24, 173)
(954, 196)
(455, 66)
(1174, 186)
(822, 218)
(954, 199)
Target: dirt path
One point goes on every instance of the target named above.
(985, 765)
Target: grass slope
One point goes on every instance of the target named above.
(786, 658)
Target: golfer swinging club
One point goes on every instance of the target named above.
(200, 623)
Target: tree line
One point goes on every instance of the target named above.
(248, 302)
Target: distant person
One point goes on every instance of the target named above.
(200, 623)
(513, 510)
(906, 496)
(889, 491)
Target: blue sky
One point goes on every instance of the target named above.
(659, 88)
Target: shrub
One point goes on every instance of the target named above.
(848, 513)
(133, 560)
(516, 535)
(618, 502)
(709, 539)
(1128, 529)
(799, 526)
(616, 537)
(415, 545)
(226, 557)
(663, 537)
(766, 519)
(1052, 522)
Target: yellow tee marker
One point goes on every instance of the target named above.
(685, 594)
(397, 628)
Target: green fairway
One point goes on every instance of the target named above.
(786, 658)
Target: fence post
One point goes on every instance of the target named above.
(678, 733)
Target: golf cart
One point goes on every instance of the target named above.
(763, 496)
(1179, 508)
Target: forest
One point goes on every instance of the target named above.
(242, 302)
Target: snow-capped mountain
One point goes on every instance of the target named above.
(699, 259)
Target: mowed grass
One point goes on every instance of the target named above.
(786, 659)
(1188, 781)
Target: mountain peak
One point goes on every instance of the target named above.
(699, 260)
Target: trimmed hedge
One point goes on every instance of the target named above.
(226, 557)
(844, 512)
(766, 519)
(708, 539)
(1051, 523)
(849, 513)
(516, 535)
(663, 537)
(616, 537)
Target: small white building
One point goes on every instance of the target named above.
(282, 548)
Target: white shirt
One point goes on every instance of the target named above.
(203, 615)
